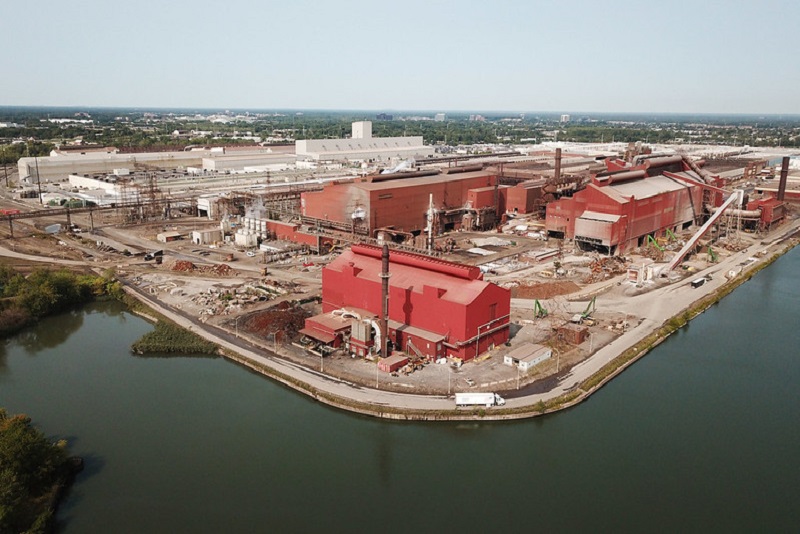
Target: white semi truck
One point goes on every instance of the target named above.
(479, 399)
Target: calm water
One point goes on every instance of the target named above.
(702, 435)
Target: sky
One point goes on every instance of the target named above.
(664, 56)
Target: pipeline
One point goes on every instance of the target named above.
(705, 175)
(747, 214)
(463, 168)
(399, 175)
(467, 272)
(477, 337)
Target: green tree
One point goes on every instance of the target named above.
(30, 466)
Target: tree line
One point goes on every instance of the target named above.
(26, 299)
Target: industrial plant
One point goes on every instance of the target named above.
(368, 257)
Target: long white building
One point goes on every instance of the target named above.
(59, 166)
(362, 146)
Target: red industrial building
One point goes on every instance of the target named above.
(770, 211)
(618, 210)
(398, 205)
(436, 308)
(526, 197)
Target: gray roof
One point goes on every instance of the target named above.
(649, 187)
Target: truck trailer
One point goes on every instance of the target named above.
(479, 399)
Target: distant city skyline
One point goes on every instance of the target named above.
(678, 57)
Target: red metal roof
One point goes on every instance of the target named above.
(456, 282)
(422, 180)
(318, 335)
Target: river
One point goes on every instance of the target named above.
(703, 434)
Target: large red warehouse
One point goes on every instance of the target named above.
(618, 211)
(436, 308)
(400, 205)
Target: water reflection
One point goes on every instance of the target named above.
(52, 332)
(383, 451)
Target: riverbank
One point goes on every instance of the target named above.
(670, 307)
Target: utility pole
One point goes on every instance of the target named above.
(38, 180)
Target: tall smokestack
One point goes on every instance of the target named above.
(558, 165)
(784, 177)
(385, 300)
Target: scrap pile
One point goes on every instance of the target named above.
(604, 268)
(183, 266)
(543, 290)
(221, 269)
(284, 319)
(733, 246)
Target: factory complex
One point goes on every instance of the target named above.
(381, 250)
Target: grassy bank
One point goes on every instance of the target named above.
(169, 338)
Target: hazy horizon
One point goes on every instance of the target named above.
(614, 57)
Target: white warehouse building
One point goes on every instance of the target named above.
(362, 146)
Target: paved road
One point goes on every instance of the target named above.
(41, 259)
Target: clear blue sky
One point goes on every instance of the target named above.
(563, 55)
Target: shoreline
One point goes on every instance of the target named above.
(399, 406)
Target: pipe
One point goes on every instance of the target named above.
(705, 175)
(477, 337)
(662, 161)
(467, 272)
(784, 177)
(747, 214)
(463, 168)
(399, 175)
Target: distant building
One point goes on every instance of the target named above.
(565, 118)
(206, 237)
(440, 117)
(384, 117)
(362, 147)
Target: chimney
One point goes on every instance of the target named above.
(557, 173)
(784, 177)
(384, 300)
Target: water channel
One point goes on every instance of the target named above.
(701, 435)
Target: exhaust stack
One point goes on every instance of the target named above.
(385, 301)
(784, 177)
(557, 173)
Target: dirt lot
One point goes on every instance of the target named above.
(543, 290)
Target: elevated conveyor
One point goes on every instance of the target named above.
(737, 196)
